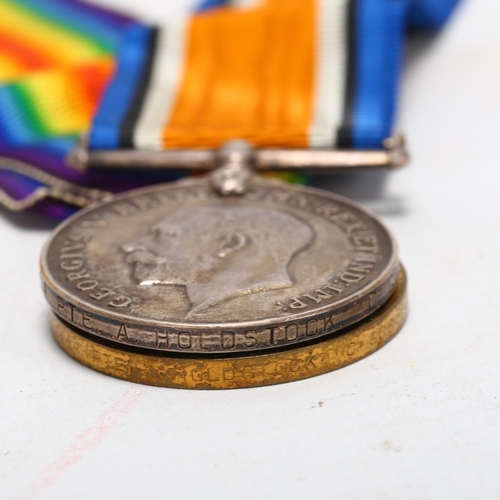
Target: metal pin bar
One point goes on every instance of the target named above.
(393, 155)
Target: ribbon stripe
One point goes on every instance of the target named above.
(161, 92)
(344, 133)
(332, 66)
(137, 101)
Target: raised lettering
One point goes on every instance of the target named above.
(144, 202)
(320, 296)
(345, 219)
(300, 201)
(359, 267)
(77, 236)
(328, 211)
(71, 247)
(101, 294)
(365, 239)
(71, 256)
(297, 304)
(368, 249)
(351, 277)
(361, 226)
(124, 209)
(87, 285)
(95, 220)
(363, 264)
(333, 288)
(71, 265)
(120, 301)
(277, 195)
(77, 276)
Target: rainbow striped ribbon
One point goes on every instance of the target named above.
(331, 72)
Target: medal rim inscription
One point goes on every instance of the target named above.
(383, 284)
(252, 370)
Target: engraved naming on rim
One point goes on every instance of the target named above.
(176, 267)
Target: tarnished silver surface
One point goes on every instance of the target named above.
(177, 267)
(236, 171)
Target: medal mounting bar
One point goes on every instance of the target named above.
(393, 155)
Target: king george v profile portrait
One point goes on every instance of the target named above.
(219, 253)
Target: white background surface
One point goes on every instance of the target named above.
(419, 419)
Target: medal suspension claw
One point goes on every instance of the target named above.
(235, 170)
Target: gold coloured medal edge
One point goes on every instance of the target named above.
(253, 370)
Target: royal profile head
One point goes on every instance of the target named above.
(219, 253)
